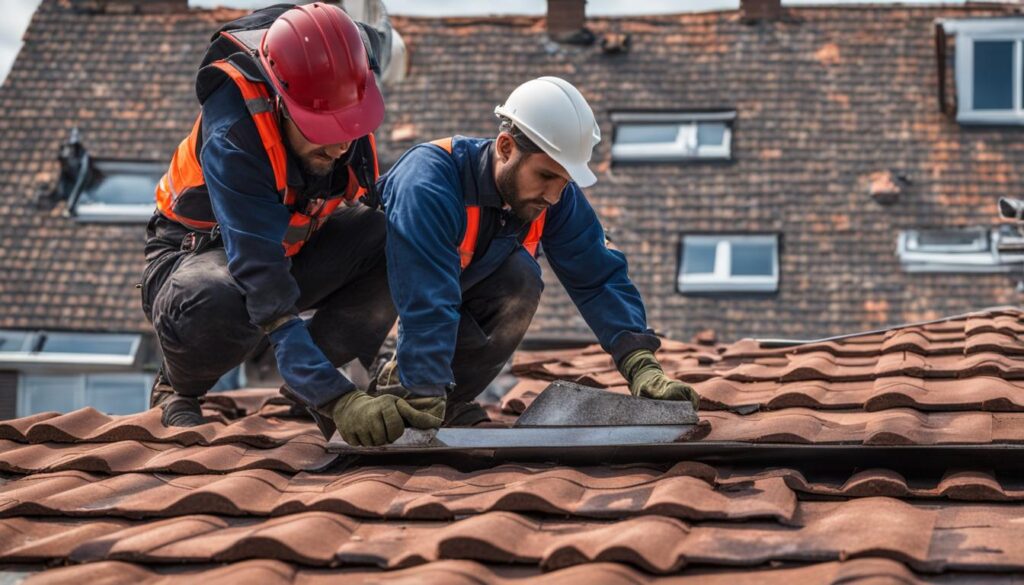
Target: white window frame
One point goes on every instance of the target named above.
(29, 358)
(942, 259)
(683, 148)
(721, 279)
(76, 385)
(986, 29)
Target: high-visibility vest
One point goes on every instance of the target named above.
(181, 194)
(469, 241)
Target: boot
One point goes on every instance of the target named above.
(178, 410)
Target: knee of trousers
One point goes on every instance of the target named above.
(203, 314)
(523, 286)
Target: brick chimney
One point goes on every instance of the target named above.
(130, 6)
(754, 10)
(566, 17)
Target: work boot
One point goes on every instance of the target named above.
(178, 410)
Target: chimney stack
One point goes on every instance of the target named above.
(754, 10)
(566, 17)
(130, 6)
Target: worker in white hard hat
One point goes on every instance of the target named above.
(466, 218)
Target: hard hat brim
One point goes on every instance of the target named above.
(580, 174)
(339, 126)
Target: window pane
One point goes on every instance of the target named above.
(993, 75)
(13, 340)
(84, 343)
(646, 133)
(122, 189)
(698, 257)
(711, 133)
(117, 394)
(752, 259)
(949, 238)
(48, 393)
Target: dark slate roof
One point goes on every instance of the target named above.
(254, 495)
(825, 99)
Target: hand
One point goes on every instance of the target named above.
(306, 370)
(646, 378)
(368, 421)
(421, 412)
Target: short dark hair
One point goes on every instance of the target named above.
(522, 141)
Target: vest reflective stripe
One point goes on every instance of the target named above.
(468, 245)
(185, 172)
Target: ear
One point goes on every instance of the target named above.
(505, 146)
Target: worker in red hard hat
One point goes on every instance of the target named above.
(259, 218)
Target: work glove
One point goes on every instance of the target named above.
(646, 378)
(421, 412)
(368, 421)
(306, 370)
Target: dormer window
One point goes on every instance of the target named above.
(988, 69)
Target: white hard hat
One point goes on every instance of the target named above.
(555, 116)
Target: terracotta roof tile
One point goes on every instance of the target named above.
(924, 537)
(89, 425)
(298, 454)
(435, 492)
(853, 572)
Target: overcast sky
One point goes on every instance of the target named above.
(16, 13)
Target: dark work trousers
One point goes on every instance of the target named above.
(199, 312)
(496, 312)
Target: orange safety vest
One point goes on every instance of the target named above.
(184, 179)
(468, 246)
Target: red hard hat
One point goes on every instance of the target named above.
(316, 61)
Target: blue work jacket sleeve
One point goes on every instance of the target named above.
(595, 276)
(426, 219)
(249, 211)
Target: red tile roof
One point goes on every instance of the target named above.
(124, 498)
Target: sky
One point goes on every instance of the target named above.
(18, 12)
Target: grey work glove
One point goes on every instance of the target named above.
(646, 378)
(421, 412)
(368, 421)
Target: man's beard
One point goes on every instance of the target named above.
(316, 168)
(508, 188)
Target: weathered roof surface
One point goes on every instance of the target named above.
(254, 494)
(825, 99)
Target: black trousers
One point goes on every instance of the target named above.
(495, 314)
(199, 314)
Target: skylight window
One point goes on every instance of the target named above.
(954, 250)
(729, 263)
(672, 136)
(106, 190)
(118, 191)
(989, 62)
